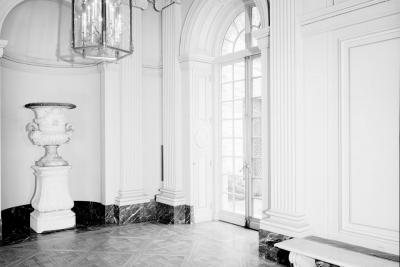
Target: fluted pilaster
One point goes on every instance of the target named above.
(131, 184)
(3, 44)
(172, 189)
(110, 132)
(286, 213)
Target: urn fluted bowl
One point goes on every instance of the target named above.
(49, 129)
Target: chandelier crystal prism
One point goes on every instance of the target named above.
(102, 29)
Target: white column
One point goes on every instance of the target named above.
(286, 212)
(3, 44)
(172, 188)
(131, 184)
(110, 133)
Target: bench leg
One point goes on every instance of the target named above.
(299, 260)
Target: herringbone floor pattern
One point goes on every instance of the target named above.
(203, 244)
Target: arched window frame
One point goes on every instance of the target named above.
(251, 48)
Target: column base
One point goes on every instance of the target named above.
(131, 197)
(135, 213)
(51, 221)
(167, 214)
(276, 228)
(289, 225)
(170, 197)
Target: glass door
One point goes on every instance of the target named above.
(240, 142)
(232, 156)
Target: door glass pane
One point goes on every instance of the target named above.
(257, 187)
(227, 147)
(226, 92)
(256, 147)
(226, 73)
(239, 71)
(238, 109)
(227, 110)
(238, 128)
(257, 83)
(238, 167)
(228, 202)
(238, 147)
(256, 168)
(227, 165)
(257, 208)
(239, 90)
(240, 204)
(227, 128)
(256, 107)
(257, 67)
(256, 127)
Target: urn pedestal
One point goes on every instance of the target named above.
(52, 201)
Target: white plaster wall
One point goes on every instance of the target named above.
(351, 82)
(18, 154)
(152, 101)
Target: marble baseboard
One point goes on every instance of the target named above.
(89, 213)
(268, 251)
(167, 214)
(136, 213)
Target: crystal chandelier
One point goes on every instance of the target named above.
(102, 29)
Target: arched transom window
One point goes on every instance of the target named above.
(239, 34)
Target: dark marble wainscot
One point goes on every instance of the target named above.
(166, 214)
(15, 224)
(268, 251)
(135, 213)
(89, 213)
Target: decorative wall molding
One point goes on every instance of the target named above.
(48, 69)
(337, 10)
(340, 221)
(345, 213)
(352, 13)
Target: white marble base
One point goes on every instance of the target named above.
(52, 201)
(50, 221)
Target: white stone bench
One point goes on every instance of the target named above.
(304, 252)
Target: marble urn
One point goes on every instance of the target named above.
(52, 201)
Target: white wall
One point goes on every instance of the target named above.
(351, 82)
(38, 34)
(152, 101)
(24, 84)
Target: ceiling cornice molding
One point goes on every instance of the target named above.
(162, 4)
(142, 4)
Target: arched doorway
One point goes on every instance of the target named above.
(201, 52)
